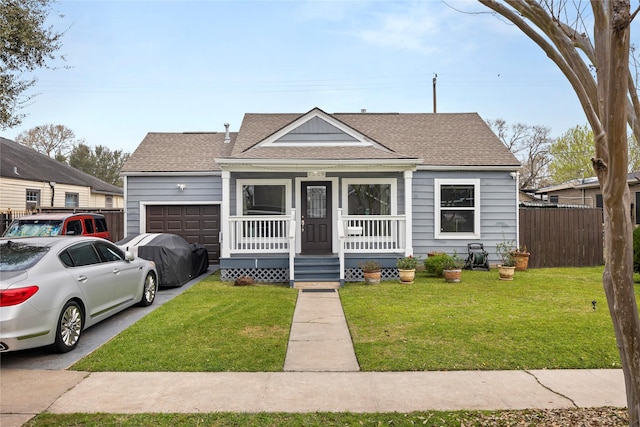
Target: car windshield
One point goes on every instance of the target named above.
(15, 256)
(34, 227)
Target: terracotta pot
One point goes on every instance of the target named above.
(522, 260)
(372, 277)
(452, 276)
(407, 276)
(506, 273)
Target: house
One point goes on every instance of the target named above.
(586, 192)
(30, 180)
(306, 197)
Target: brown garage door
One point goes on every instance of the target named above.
(196, 223)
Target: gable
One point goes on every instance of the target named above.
(318, 129)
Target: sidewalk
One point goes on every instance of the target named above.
(316, 330)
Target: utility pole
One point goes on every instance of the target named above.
(435, 77)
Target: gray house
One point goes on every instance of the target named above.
(300, 197)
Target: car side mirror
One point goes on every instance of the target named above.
(129, 256)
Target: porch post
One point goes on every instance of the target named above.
(225, 249)
(408, 212)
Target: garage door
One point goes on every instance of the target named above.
(196, 223)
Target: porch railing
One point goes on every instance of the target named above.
(260, 233)
(374, 233)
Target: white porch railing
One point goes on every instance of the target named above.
(261, 233)
(374, 233)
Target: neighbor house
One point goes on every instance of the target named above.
(30, 180)
(307, 197)
(586, 192)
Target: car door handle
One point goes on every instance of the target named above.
(116, 271)
(82, 279)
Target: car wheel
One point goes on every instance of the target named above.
(69, 327)
(149, 289)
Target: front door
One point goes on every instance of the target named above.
(315, 217)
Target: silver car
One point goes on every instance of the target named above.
(52, 288)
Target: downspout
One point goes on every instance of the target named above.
(52, 185)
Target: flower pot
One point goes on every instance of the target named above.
(372, 277)
(452, 276)
(522, 260)
(506, 273)
(407, 276)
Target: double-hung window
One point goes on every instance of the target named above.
(369, 196)
(267, 197)
(457, 208)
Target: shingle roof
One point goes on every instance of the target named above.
(179, 152)
(441, 139)
(20, 162)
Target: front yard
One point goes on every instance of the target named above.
(543, 319)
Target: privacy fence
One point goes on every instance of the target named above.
(562, 237)
(114, 218)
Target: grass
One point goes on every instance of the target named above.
(543, 319)
(523, 418)
(210, 327)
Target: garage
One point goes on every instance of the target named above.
(195, 223)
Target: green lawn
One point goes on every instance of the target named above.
(212, 326)
(543, 319)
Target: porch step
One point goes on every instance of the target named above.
(317, 269)
(316, 286)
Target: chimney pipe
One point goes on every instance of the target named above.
(227, 138)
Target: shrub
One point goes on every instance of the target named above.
(636, 250)
(437, 263)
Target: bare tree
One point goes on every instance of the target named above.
(56, 141)
(610, 102)
(530, 144)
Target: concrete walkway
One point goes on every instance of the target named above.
(319, 340)
(321, 374)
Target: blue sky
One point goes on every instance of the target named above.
(134, 67)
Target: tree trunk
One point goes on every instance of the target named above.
(609, 106)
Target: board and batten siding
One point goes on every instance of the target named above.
(163, 190)
(498, 212)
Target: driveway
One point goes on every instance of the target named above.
(95, 336)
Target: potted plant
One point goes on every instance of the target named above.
(434, 263)
(407, 268)
(452, 268)
(508, 265)
(372, 271)
(522, 258)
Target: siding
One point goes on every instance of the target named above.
(498, 212)
(163, 190)
(13, 195)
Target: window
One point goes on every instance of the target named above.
(369, 196)
(457, 208)
(270, 197)
(71, 200)
(109, 252)
(33, 199)
(108, 201)
(554, 199)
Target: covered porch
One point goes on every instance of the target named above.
(264, 247)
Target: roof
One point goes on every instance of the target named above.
(435, 139)
(183, 152)
(20, 162)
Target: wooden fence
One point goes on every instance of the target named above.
(113, 217)
(562, 237)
